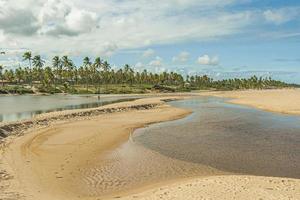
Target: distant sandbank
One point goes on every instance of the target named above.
(278, 100)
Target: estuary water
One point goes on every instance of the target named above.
(14, 108)
(217, 138)
(230, 138)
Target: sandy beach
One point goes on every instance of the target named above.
(226, 188)
(45, 162)
(278, 100)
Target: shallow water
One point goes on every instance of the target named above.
(218, 138)
(14, 108)
(230, 138)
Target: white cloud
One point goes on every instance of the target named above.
(81, 20)
(107, 49)
(207, 60)
(58, 17)
(148, 53)
(96, 27)
(181, 57)
(17, 21)
(157, 62)
(139, 65)
(2, 36)
(279, 16)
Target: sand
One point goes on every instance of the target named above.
(226, 188)
(42, 164)
(280, 100)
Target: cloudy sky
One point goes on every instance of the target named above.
(221, 38)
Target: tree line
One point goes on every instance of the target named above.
(63, 75)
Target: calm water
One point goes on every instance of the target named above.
(217, 139)
(230, 138)
(13, 108)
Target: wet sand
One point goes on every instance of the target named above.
(280, 100)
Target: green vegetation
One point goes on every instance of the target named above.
(15, 90)
(204, 82)
(98, 77)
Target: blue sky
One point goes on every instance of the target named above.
(221, 38)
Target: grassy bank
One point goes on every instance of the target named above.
(91, 89)
(15, 89)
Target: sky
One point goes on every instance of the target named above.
(220, 38)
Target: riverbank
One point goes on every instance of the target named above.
(82, 89)
(43, 163)
(285, 101)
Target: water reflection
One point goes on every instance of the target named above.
(14, 108)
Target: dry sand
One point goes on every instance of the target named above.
(42, 164)
(280, 100)
(226, 188)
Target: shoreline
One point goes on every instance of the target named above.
(284, 101)
(20, 157)
(46, 119)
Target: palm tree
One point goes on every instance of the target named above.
(38, 63)
(98, 63)
(48, 77)
(106, 66)
(97, 74)
(19, 74)
(56, 63)
(9, 75)
(68, 66)
(87, 64)
(87, 61)
(28, 56)
(1, 75)
(129, 74)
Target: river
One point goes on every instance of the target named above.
(14, 108)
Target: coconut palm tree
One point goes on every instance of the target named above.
(87, 68)
(68, 68)
(9, 75)
(97, 66)
(28, 56)
(56, 64)
(38, 63)
(128, 74)
(1, 75)
(106, 66)
(19, 74)
(87, 61)
(98, 63)
(48, 77)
